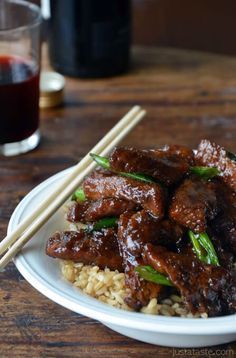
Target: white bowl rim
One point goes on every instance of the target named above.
(103, 312)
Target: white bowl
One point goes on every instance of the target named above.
(43, 273)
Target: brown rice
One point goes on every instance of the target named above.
(109, 287)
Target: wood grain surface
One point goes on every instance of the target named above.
(188, 96)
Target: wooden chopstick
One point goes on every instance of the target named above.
(30, 225)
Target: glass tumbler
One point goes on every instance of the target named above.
(19, 76)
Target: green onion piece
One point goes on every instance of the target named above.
(136, 176)
(204, 248)
(197, 247)
(205, 172)
(103, 223)
(149, 274)
(104, 163)
(79, 195)
(208, 246)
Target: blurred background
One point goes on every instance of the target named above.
(206, 25)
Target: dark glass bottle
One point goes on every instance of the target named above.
(90, 38)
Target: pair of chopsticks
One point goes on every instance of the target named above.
(13, 242)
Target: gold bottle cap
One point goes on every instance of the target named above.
(51, 89)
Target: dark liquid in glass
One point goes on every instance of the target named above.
(19, 99)
(90, 38)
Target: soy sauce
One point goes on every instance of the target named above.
(90, 38)
(19, 94)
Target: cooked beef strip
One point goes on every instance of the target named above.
(171, 235)
(205, 288)
(181, 151)
(168, 165)
(140, 291)
(95, 210)
(134, 231)
(77, 210)
(141, 228)
(224, 225)
(103, 184)
(223, 251)
(212, 155)
(98, 248)
(193, 203)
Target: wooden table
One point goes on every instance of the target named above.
(188, 96)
